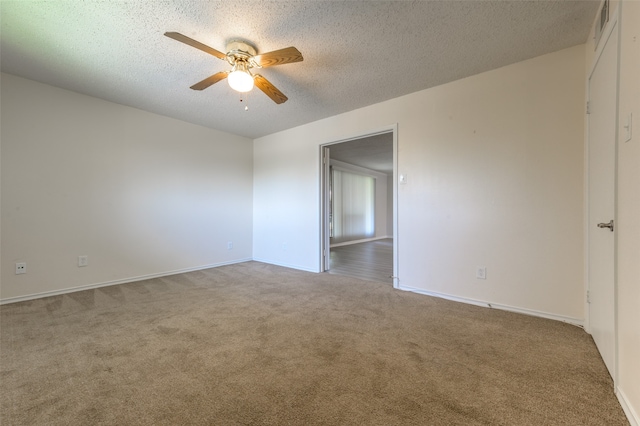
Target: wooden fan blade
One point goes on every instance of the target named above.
(210, 80)
(279, 57)
(269, 89)
(193, 43)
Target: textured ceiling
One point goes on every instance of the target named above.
(372, 152)
(356, 53)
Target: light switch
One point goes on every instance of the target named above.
(627, 127)
(403, 179)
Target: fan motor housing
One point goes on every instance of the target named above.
(238, 46)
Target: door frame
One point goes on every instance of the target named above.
(324, 198)
(612, 29)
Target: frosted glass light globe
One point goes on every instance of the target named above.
(240, 80)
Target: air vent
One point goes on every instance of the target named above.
(602, 22)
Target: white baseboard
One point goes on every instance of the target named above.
(115, 282)
(631, 414)
(286, 265)
(533, 312)
(364, 240)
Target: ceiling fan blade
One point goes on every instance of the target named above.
(210, 80)
(269, 89)
(191, 42)
(279, 57)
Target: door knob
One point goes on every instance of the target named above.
(607, 225)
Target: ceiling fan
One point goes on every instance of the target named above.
(242, 57)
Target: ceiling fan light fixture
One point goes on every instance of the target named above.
(242, 57)
(240, 79)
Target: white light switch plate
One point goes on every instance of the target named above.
(627, 127)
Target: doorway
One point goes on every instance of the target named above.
(359, 206)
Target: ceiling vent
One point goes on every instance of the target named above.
(602, 21)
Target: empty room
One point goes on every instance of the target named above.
(320, 212)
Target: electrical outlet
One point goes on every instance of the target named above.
(21, 268)
(83, 261)
(229, 245)
(481, 273)
(284, 246)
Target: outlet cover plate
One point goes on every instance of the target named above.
(481, 273)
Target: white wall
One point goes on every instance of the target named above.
(286, 203)
(381, 201)
(628, 214)
(494, 167)
(139, 193)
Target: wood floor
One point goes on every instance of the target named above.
(372, 260)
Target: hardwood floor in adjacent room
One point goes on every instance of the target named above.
(371, 261)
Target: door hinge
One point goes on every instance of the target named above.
(324, 253)
(588, 108)
(588, 297)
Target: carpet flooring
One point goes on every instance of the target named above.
(257, 344)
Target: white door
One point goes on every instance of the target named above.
(601, 175)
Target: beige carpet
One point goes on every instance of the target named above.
(255, 344)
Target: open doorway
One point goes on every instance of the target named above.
(359, 207)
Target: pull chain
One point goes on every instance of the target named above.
(246, 107)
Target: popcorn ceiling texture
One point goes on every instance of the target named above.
(356, 53)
